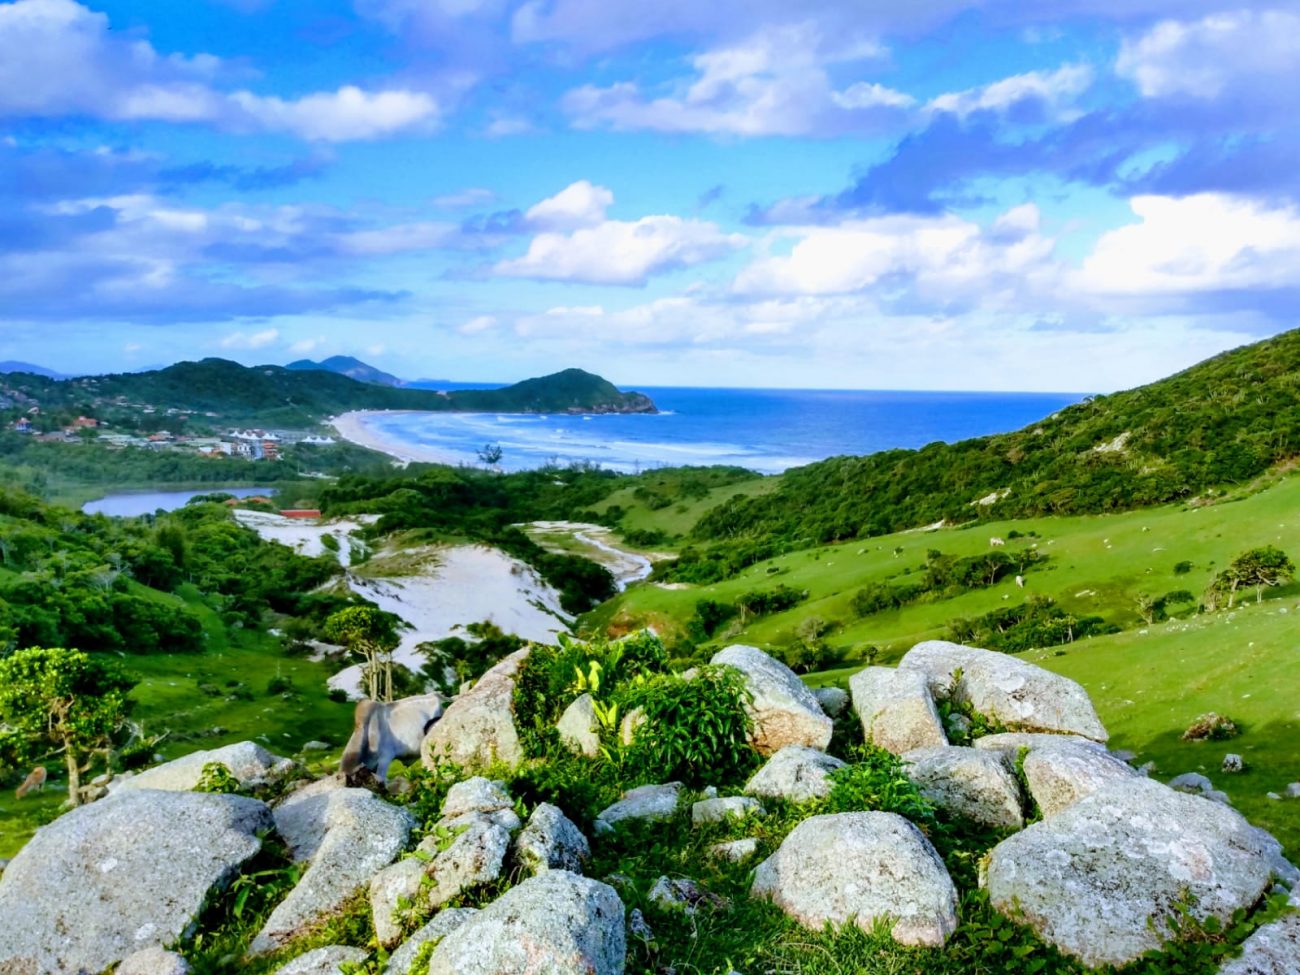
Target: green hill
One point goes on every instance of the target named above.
(1221, 423)
(346, 365)
(227, 393)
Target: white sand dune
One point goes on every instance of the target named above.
(354, 428)
(598, 544)
(436, 590)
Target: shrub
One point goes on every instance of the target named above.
(875, 780)
(696, 731)
(1182, 568)
(217, 778)
(1211, 727)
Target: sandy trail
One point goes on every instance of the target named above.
(436, 590)
(598, 543)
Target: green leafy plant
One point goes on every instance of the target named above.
(218, 778)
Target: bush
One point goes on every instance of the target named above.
(696, 731)
(1211, 727)
(1182, 568)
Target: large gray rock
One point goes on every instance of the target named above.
(896, 709)
(324, 961)
(858, 868)
(556, 923)
(476, 856)
(578, 727)
(478, 728)
(345, 836)
(721, 810)
(443, 924)
(551, 841)
(1101, 879)
(476, 795)
(154, 961)
(1023, 697)
(119, 876)
(650, 802)
(1011, 743)
(1060, 776)
(248, 761)
(833, 700)
(969, 783)
(389, 889)
(1272, 950)
(782, 708)
(796, 773)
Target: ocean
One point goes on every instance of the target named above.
(767, 430)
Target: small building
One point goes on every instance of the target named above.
(304, 513)
(318, 441)
(85, 423)
(23, 425)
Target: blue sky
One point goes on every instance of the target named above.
(938, 194)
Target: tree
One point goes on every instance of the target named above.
(490, 454)
(371, 635)
(1258, 567)
(56, 700)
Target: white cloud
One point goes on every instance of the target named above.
(1251, 53)
(478, 324)
(1055, 90)
(341, 116)
(250, 340)
(580, 204)
(473, 196)
(60, 58)
(928, 259)
(1195, 244)
(306, 346)
(398, 239)
(774, 82)
(621, 252)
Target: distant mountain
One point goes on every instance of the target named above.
(226, 393)
(12, 366)
(346, 365)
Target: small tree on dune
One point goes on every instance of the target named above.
(1259, 568)
(371, 635)
(62, 701)
(490, 454)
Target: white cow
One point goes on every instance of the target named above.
(996, 542)
(1020, 581)
(384, 731)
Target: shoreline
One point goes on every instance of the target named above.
(353, 428)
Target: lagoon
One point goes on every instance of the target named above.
(130, 504)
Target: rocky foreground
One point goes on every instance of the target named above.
(1107, 857)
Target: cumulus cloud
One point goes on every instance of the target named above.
(1244, 52)
(1197, 244)
(59, 58)
(251, 340)
(580, 204)
(624, 252)
(1052, 92)
(774, 82)
(478, 325)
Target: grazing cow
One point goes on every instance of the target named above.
(35, 782)
(384, 731)
(996, 542)
(1020, 581)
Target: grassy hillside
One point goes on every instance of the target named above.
(1222, 422)
(1149, 681)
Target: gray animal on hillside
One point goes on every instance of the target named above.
(384, 731)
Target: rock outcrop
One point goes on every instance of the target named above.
(968, 783)
(796, 773)
(324, 961)
(578, 728)
(724, 809)
(557, 922)
(1272, 950)
(859, 868)
(833, 700)
(1021, 696)
(154, 961)
(1061, 775)
(121, 875)
(443, 924)
(782, 708)
(896, 709)
(345, 836)
(478, 727)
(551, 841)
(248, 761)
(652, 802)
(1101, 879)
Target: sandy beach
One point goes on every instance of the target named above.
(354, 428)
